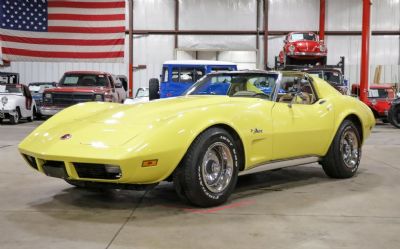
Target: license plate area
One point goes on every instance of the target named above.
(55, 169)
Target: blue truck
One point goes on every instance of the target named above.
(178, 75)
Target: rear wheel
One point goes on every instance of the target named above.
(394, 116)
(208, 173)
(14, 119)
(154, 88)
(344, 154)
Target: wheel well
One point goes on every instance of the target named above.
(357, 122)
(238, 142)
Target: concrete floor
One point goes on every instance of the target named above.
(292, 208)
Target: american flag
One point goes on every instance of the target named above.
(69, 30)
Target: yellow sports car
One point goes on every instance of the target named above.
(226, 125)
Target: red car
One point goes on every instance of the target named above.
(82, 86)
(303, 48)
(380, 98)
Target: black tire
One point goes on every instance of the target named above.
(30, 119)
(15, 119)
(394, 115)
(154, 88)
(334, 163)
(190, 178)
(288, 61)
(385, 120)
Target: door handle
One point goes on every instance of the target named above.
(323, 101)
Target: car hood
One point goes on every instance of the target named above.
(306, 46)
(76, 89)
(120, 124)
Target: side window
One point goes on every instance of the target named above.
(187, 75)
(217, 69)
(296, 90)
(165, 74)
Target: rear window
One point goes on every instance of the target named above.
(377, 93)
(10, 89)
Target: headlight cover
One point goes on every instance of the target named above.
(47, 95)
(292, 48)
(4, 100)
(322, 48)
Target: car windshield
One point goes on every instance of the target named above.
(236, 85)
(39, 87)
(10, 88)
(330, 76)
(303, 36)
(142, 93)
(73, 80)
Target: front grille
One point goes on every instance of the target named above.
(96, 171)
(68, 99)
(55, 169)
(31, 160)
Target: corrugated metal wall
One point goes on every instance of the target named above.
(152, 50)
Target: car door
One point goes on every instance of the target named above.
(26, 107)
(114, 92)
(302, 123)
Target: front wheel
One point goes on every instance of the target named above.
(14, 119)
(343, 157)
(208, 173)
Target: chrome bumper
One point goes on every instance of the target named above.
(306, 54)
(49, 111)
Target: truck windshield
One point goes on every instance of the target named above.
(235, 85)
(377, 93)
(93, 80)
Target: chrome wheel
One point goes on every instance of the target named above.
(349, 148)
(217, 167)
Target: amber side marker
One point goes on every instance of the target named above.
(150, 163)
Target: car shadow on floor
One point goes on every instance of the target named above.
(164, 201)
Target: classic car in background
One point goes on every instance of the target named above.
(142, 95)
(178, 76)
(303, 48)
(332, 76)
(82, 86)
(37, 90)
(380, 98)
(223, 127)
(9, 78)
(394, 113)
(16, 103)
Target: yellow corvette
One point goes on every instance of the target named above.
(227, 124)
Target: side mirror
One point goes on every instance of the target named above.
(285, 41)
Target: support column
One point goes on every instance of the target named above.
(322, 6)
(365, 40)
(176, 23)
(130, 66)
(266, 7)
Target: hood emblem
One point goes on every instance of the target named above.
(66, 137)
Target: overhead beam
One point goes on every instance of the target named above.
(251, 32)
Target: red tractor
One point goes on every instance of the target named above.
(380, 98)
(303, 48)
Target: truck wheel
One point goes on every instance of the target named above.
(208, 173)
(15, 119)
(288, 60)
(344, 154)
(30, 119)
(154, 88)
(394, 116)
